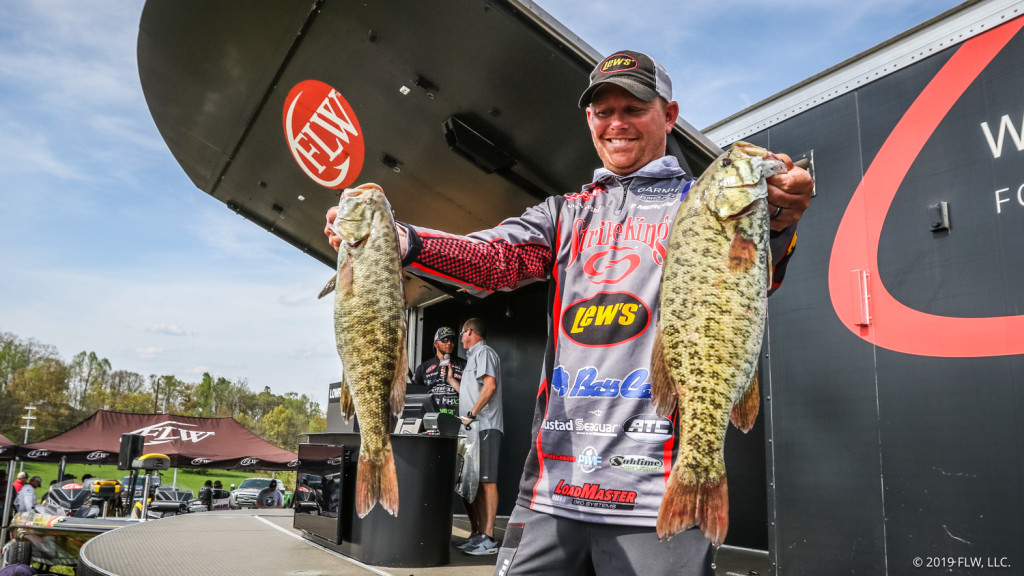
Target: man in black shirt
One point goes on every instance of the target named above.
(438, 374)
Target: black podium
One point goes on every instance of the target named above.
(419, 536)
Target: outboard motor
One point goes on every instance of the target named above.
(70, 497)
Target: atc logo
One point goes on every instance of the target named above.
(648, 428)
(323, 134)
(606, 319)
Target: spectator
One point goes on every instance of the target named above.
(26, 499)
(270, 497)
(480, 406)
(20, 481)
(438, 372)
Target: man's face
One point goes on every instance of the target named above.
(628, 133)
(445, 345)
(465, 337)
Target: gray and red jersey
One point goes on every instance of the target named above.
(599, 452)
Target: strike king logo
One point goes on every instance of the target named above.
(648, 428)
(636, 463)
(97, 455)
(588, 383)
(606, 319)
(615, 249)
(171, 431)
(618, 63)
(594, 496)
(323, 134)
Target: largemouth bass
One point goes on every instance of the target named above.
(712, 313)
(369, 328)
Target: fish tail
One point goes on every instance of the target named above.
(377, 482)
(663, 387)
(689, 504)
(744, 412)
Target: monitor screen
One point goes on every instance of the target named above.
(416, 405)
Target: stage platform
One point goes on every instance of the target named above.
(264, 542)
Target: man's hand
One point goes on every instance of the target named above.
(790, 191)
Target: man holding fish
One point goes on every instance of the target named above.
(608, 440)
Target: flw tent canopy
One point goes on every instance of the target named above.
(190, 442)
(6, 448)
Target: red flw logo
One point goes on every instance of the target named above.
(323, 134)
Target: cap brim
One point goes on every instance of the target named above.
(635, 88)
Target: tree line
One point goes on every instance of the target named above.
(65, 393)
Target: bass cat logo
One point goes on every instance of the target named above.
(323, 134)
(170, 431)
(606, 319)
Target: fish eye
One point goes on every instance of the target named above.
(726, 163)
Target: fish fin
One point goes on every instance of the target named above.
(377, 482)
(686, 505)
(343, 279)
(398, 384)
(663, 386)
(329, 287)
(348, 406)
(744, 412)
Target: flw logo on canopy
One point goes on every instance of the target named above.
(323, 134)
(171, 431)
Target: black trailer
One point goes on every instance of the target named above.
(894, 359)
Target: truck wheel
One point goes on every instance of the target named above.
(19, 552)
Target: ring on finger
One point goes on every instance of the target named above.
(778, 210)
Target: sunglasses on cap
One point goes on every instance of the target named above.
(446, 339)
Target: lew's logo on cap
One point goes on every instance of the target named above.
(618, 63)
(323, 134)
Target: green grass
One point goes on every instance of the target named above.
(187, 479)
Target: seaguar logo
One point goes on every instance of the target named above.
(171, 431)
(97, 455)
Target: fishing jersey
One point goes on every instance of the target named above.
(444, 396)
(599, 453)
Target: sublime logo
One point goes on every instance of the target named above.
(323, 134)
(617, 63)
(606, 319)
(636, 463)
(170, 431)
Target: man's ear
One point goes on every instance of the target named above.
(671, 115)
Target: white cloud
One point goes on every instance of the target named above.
(168, 329)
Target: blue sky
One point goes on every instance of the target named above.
(106, 245)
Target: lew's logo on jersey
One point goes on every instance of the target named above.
(588, 383)
(171, 431)
(649, 428)
(594, 496)
(606, 319)
(323, 134)
(635, 463)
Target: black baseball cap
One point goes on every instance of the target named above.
(634, 71)
(443, 332)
